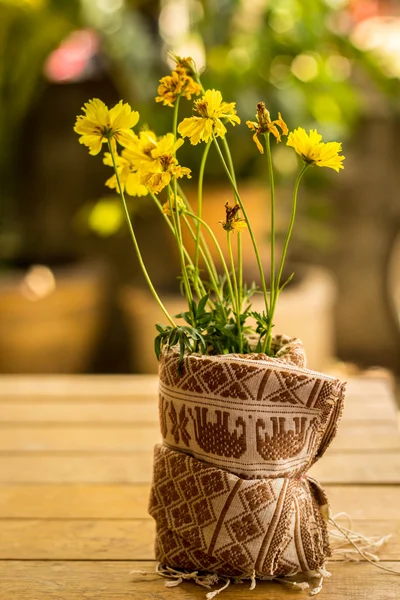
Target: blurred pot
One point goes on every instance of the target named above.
(305, 309)
(50, 318)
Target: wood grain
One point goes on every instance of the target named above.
(136, 467)
(108, 580)
(102, 438)
(77, 386)
(92, 539)
(82, 501)
(75, 467)
(146, 411)
(111, 438)
(114, 501)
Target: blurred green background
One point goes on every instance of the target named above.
(71, 297)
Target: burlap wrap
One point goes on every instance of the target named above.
(230, 493)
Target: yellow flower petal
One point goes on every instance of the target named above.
(157, 181)
(211, 109)
(107, 125)
(125, 137)
(239, 225)
(313, 151)
(219, 129)
(134, 186)
(123, 117)
(193, 128)
(93, 142)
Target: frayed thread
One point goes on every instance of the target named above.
(177, 577)
(211, 595)
(207, 580)
(361, 545)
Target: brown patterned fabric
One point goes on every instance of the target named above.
(230, 493)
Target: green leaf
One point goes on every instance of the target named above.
(288, 280)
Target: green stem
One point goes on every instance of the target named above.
(267, 343)
(202, 239)
(229, 158)
(259, 263)
(200, 204)
(201, 291)
(239, 237)
(221, 256)
(175, 117)
(177, 222)
(135, 243)
(240, 270)
(236, 304)
(178, 231)
(214, 281)
(283, 257)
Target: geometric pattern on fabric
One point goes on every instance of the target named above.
(230, 494)
(209, 519)
(253, 415)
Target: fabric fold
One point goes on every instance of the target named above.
(230, 492)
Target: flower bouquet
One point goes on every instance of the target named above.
(242, 418)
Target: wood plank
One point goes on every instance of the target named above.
(105, 385)
(63, 501)
(77, 386)
(358, 468)
(113, 438)
(102, 438)
(84, 412)
(114, 501)
(136, 467)
(143, 412)
(367, 386)
(83, 539)
(50, 580)
(71, 468)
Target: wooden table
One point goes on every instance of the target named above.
(75, 467)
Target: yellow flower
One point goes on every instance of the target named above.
(129, 178)
(100, 124)
(239, 225)
(179, 204)
(155, 160)
(233, 222)
(179, 83)
(265, 125)
(315, 152)
(211, 109)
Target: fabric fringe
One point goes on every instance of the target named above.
(345, 542)
(207, 580)
(361, 545)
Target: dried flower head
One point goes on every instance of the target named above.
(264, 124)
(232, 221)
(181, 82)
(187, 64)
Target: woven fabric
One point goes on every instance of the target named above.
(229, 493)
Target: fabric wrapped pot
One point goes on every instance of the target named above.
(230, 492)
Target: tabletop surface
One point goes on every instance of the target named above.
(75, 471)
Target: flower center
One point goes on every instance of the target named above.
(202, 108)
(166, 160)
